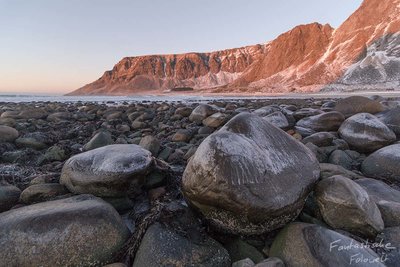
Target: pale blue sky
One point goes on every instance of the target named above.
(59, 45)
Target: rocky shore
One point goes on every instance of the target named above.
(243, 183)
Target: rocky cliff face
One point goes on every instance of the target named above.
(163, 72)
(364, 52)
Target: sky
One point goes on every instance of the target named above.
(56, 46)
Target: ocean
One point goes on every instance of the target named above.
(20, 98)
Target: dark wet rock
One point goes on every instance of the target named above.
(151, 144)
(328, 170)
(117, 264)
(378, 190)
(45, 178)
(339, 157)
(54, 153)
(325, 122)
(201, 112)
(42, 192)
(123, 128)
(7, 122)
(358, 104)
(390, 213)
(340, 144)
(215, 120)
(366, 133)
(165, 153)
(264, 111)
(176, 157)
(386, 198)
(271, 262)
(183, 111)
(190, 153)
(81, 230)
(239, 249)
(9, 196)
(392, 119)
(107, 171)
(182, 135)
(306, 112)
(320, 154)
(26, 156)
(59, 116)
(100, 139)
(138, 125)
(35, 113)
(243, 263)
(268, 172)
(320, 139)
(36, 140)
(302, 244)
(162, 246)
(390, 238)
(8, 134)
(383, 164)
(154, 179)
(121, 204)
(304, 132)
(278, 119)
(358, 212)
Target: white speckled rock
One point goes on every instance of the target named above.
(77, 231)
(108, 171)
(250, 177)
(366, 133)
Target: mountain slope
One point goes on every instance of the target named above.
(362, 53)
(198, 70)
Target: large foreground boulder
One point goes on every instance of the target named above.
(302, 244)
(77, 231)
(108, 171)
(250, 177)
(366, 133)
(383, 164)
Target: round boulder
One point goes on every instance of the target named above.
(8, 134)
(358, 212)
(107, 171)
(311, 245)
(392, 119)
(250, 177)
(77, 231)
(383, 164)
(325, 122)
(358, 104)
(366, 133)
(162, 246)
(201, 112)
(9, 195)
